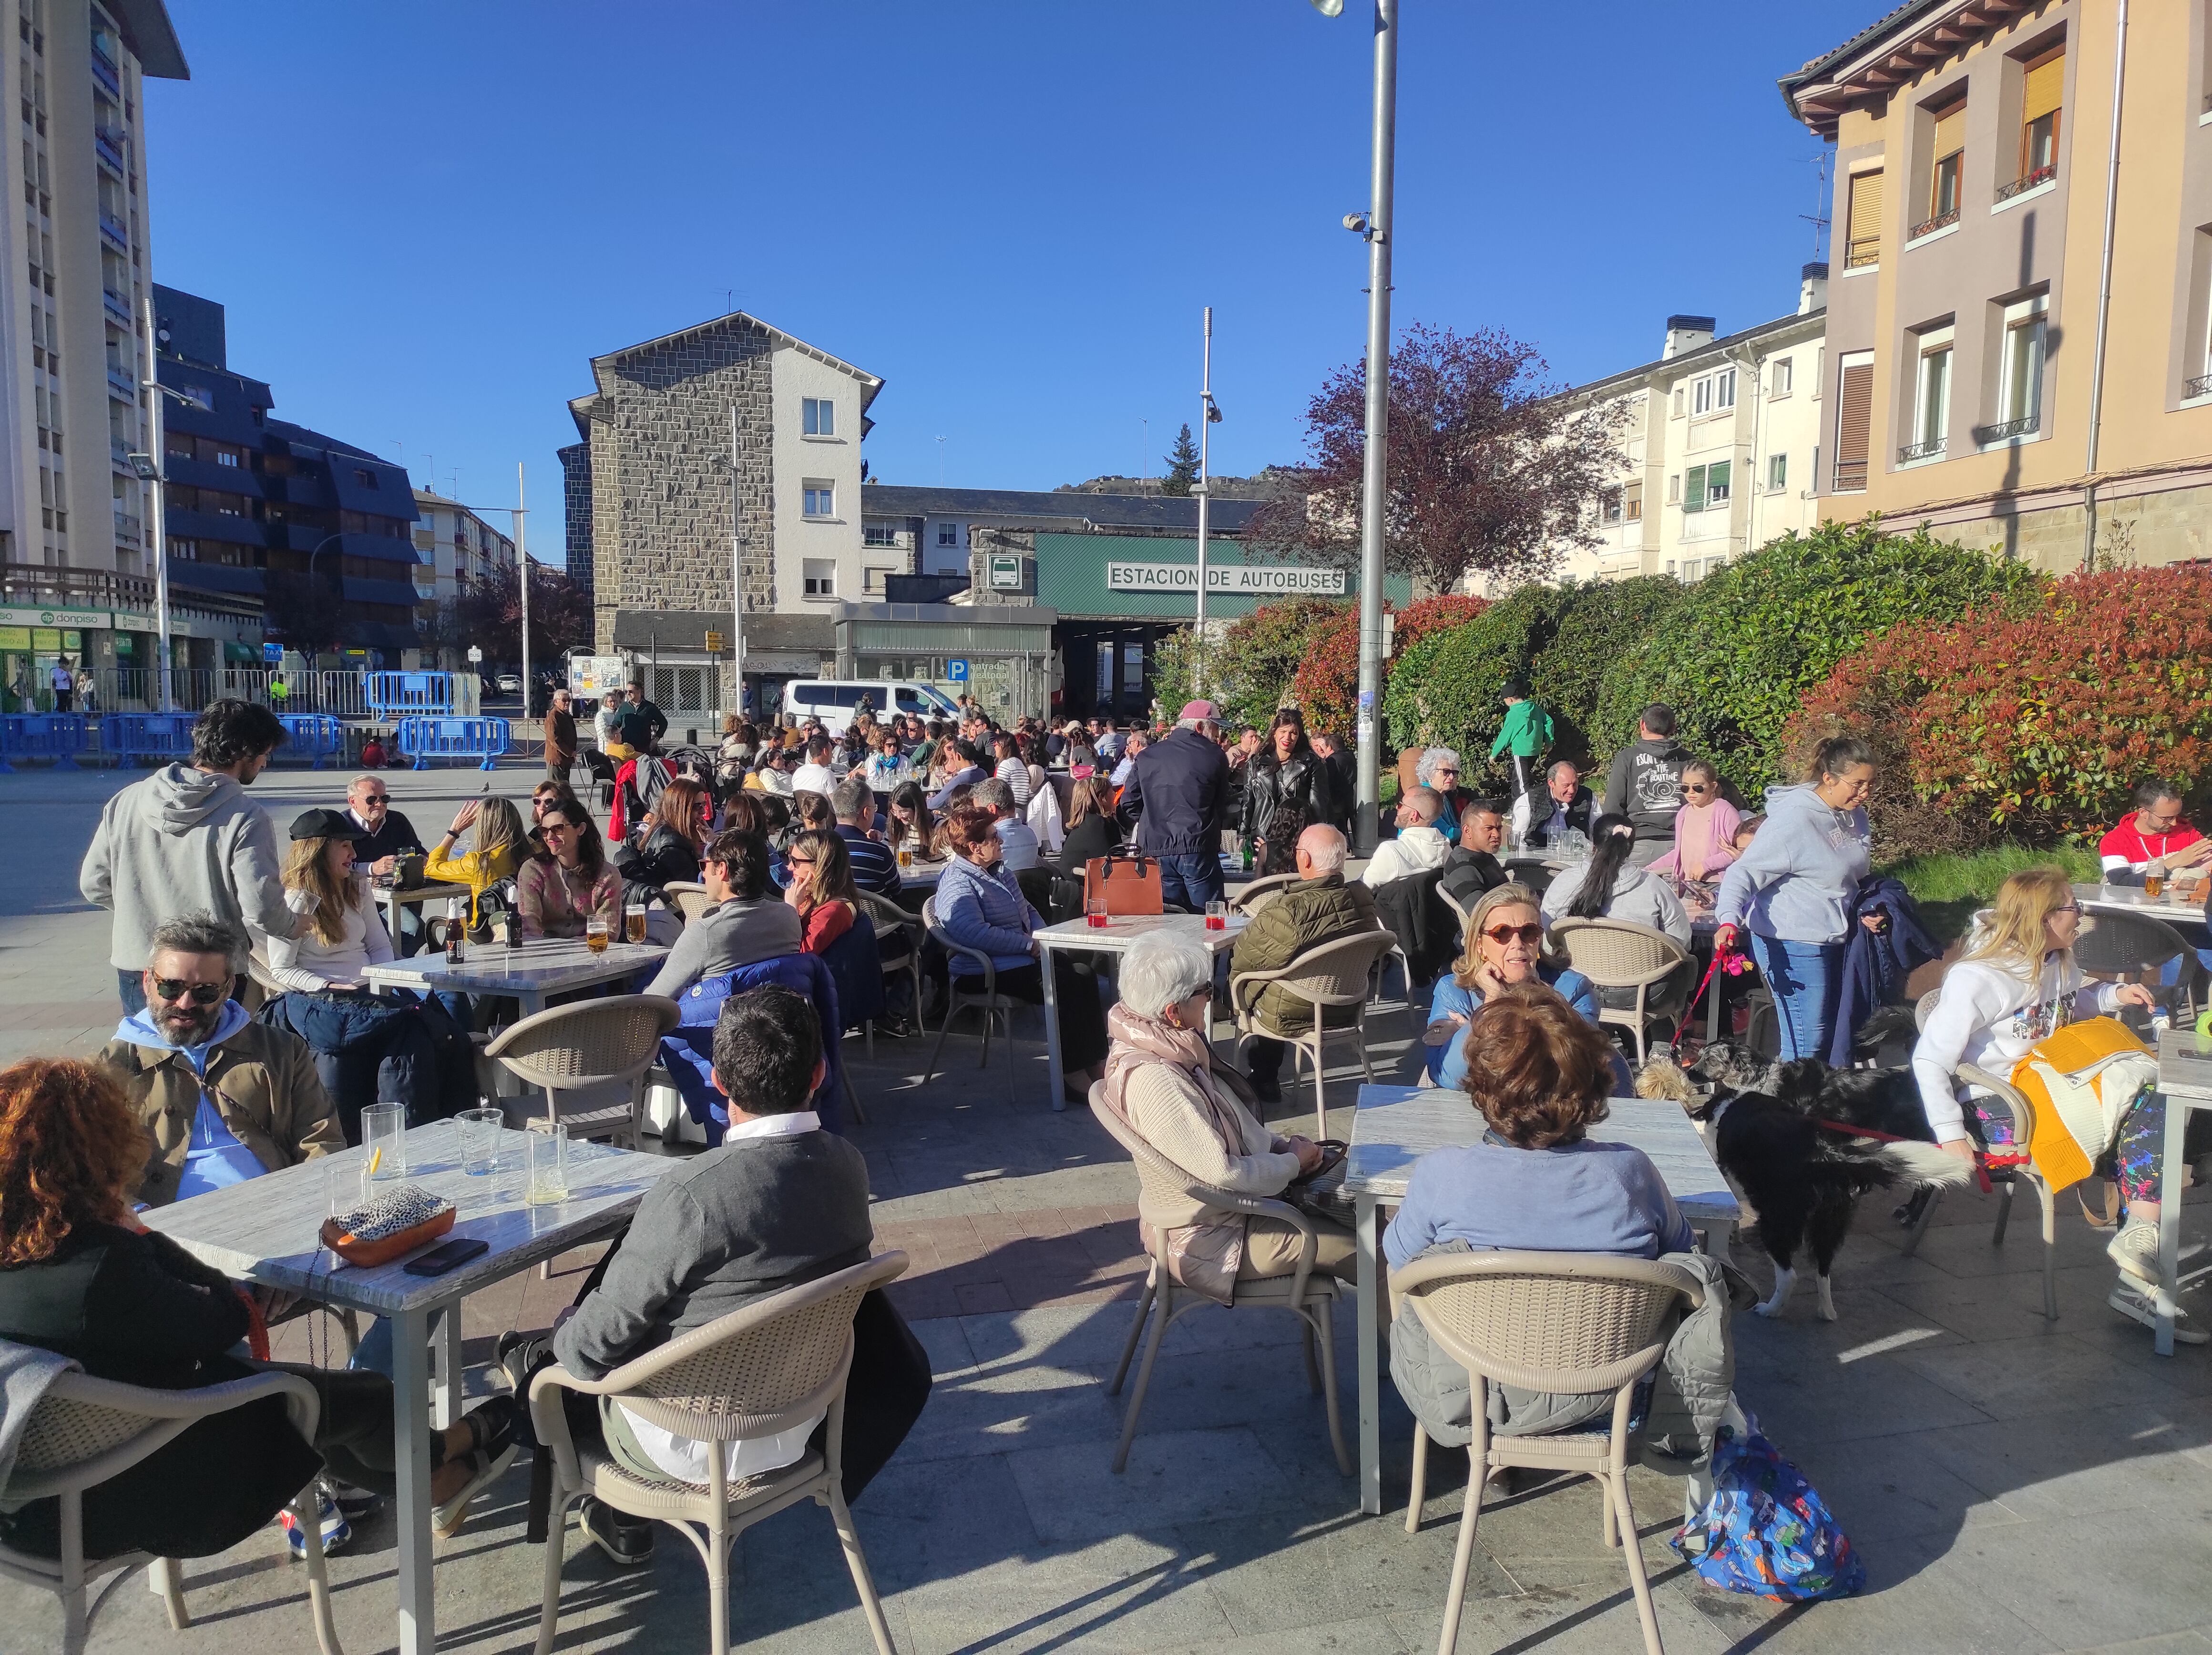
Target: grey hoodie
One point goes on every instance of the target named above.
(182, 841)
(1799, 877)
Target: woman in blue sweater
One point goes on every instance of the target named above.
(1503, 948)
(980, 906)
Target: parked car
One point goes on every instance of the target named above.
(510, 683)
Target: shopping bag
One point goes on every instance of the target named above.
(1766, 1531)
(1130, 884)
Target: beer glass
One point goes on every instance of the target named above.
(634, 923)
(595, 935)
(479, 1131)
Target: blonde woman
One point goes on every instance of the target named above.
(1503, 949)
(341, 933)
(2018, 982)
(496, 852)
(821, 891)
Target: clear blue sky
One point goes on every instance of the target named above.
(425, 218)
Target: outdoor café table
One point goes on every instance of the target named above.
(917, 883)
(1394, 1126)
(264, 1231)
(2130, 899)
(2184, 1076)
(391, 898)
(1117, 935)
(529, 971)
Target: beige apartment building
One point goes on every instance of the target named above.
(2018, 351)
(1719, 445)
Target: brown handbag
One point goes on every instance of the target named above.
(1130, 884)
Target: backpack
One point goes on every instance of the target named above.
(1765, 1531)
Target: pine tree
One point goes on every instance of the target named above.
(1182, 464)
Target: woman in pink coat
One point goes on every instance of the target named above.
(1704, 836)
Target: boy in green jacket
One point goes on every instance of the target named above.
(1525, 733)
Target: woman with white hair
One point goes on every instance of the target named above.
(1438, 767)
(1162, 1082)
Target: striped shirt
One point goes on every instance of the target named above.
(875, 869)
(1016, 774)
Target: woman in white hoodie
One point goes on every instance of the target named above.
(2017, 983)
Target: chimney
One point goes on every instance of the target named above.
(1687, 333)
(1812, 289)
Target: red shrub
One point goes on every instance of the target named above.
(1328, 681)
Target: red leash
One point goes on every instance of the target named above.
(1682, 1025)
(1981, 1170)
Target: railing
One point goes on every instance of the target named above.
(344, 693)
(1929, 227)
(1932, 449)
(1851, 476)
(2005, 430)
(38, 586)
(122, 382)
(1867, 250)
(114, 139)
(104, 72)
(126, 527)
(118, 306)
(2028, 181)
(116, 228)
(2199, 386)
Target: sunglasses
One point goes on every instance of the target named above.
(177, 992)
(800, 861)
(1695, 787)
(558, 828)
(1501, 935)
(376, 798)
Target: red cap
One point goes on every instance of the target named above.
(1194, 712)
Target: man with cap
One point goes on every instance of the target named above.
(1177, 802)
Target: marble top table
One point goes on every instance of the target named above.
(2130, 899)
(529, 971)
(1395, 1126)
(264, 1231)
(391, 898)
(1117, 935)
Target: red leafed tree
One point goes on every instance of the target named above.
(1326, 683)
(1489, 474)
(490, 613)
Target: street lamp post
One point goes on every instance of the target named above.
(1209, 416)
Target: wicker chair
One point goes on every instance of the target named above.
(1334, 977)
(2007, 1178)
(85, 1431)
(593, 1058)
(891, 920)
(1615, 955)
(1255, 894)
(2134, 947)
(1307, 1295)
(989, 1001)
(688, 898)
(773, 1364)
(1571, 1323)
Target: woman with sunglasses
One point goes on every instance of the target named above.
(1704, 836)
(568, 882)
(820, 889)
(496, 854)
(1503, 949)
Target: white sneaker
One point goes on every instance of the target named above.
(2137, 1307)
(2135, 1250)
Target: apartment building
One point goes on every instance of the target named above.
(2019, 337)
(456, 547)
(74, 269)
(1719, 445)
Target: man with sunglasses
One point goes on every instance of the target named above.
(2154, 834)
(386, 833)
(223, 1098)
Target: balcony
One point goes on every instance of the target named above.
(117, 307)
(1865, 251)
(126, 529)
(1931, 450)
(1850, 478)
(104, 69)
(2021, 186)
(2199, 386)
(37, 586)
(2005, 430)
(1929, 227)
(115, 230)
(113, 146)
(122, 384)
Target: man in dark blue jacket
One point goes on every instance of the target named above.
(1176, 799)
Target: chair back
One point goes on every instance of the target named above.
(2126, 944)
(1156, 1176)
(1335, 974)
(1255, 894)
(1574, 1323)
(1614, 954)
(591, 1043)
(86, 1430)
(887, 916)
(1924, 1007)
(757, 1371)
(961, 950)
(1461, 912)
(601, 766)
(688, 897)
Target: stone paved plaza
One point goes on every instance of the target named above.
(2014, 1485)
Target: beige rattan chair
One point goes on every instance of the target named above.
(989, 1001)
(890, 919)
(1569, 1323)
(688, 898)
(2006, 1178)
(589, 1060)
(1334, 977)
(774, 1365)
(2133, 948)
(1306, 1295)
(85, 1431)
(1255, 894)
(1615, 955)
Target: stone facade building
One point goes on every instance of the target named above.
(576, 499)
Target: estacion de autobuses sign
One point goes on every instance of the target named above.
(1249, 579)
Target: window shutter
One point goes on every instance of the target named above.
(1866, 206)
(2040, 94)
(1951, 130)
(1854, 426)
(1693, 489)
(1717, 480)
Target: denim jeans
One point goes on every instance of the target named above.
(1805, 979)
(130, 986)
(1190, 882)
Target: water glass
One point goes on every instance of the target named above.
(345, 1182)
(479, 1131)
(1094, 911)
(548, 1165)
(384, 1136)
(1217, 916)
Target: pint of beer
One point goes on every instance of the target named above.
(634, 922)
(595, 935)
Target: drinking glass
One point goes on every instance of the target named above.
(2154, 885)
(548, 1165)
(1094, 911)
(345, 1184)
(905, 858)
(479, 1129)
(384, 1136)
(595, 935)
(1217, 916)
(634, 922)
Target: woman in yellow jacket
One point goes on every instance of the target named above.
(498, 850)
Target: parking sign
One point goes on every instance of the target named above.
(957, 671)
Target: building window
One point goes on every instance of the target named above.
(871, 579)
(1946, 168)
(1854, 420)
(1693, 489)
(948, 534)
(1609, 507)
(820, 574)
(1717, 483)
(821, 498)
(1778, 473)
(2042, 84)
(1783, 374)
(1714, 392)
(1631, 503)
(879, 534)
(819, 416)
(2019, 372)
(1931, 401)
(1862, 243)
(1678, 402)
(365, 478)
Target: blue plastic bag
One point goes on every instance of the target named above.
(1765, 1531)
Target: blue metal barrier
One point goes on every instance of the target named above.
(147, 735)
(56, 735)
(425, 739)
(410, 695)
(318, 734)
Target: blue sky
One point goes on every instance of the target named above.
(425, 218)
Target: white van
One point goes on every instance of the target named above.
(833, 700)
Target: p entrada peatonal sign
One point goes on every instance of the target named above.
(1234, 579)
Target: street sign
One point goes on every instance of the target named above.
(956, 671)
(476, 655)
(713, 643)
(1005, 573)
(273, 653)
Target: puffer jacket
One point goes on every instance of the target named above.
(984, 909)
(264, 1084)
(1298, 919)
(688, 1052)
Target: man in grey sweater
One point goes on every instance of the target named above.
(745, 924)
(188, 840)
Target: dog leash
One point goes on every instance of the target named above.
(1682, 1024)
(1981, 1168)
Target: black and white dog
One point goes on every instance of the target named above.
(1804, 1181)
